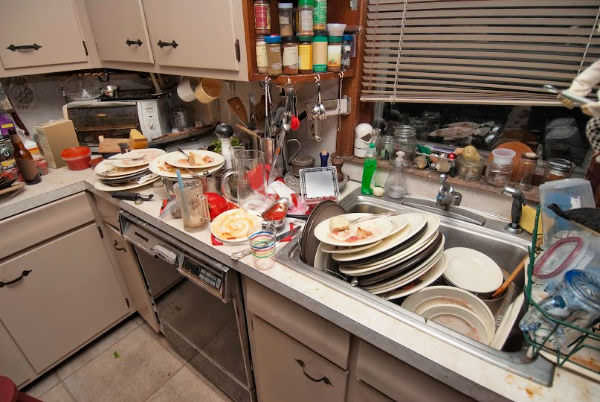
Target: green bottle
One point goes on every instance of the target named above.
(369, 170)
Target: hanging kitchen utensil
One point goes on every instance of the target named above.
(339, 119)
(238, 108)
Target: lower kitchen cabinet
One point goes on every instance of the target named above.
(12, 361)
(286, 370)
(70, 294)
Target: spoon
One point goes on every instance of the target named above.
(185, 153)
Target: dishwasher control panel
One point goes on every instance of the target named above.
(200, 272)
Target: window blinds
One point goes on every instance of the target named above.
(483, 51)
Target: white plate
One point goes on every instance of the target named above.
(380, 227)
(179, 160)
(326, 248)
(508, 320)
(159, 166)
(136, 157)
(322, 260)
(472, 270)
(409, 276)
(459, 319)
(415, 221)
(98, 185)
(432, 295)
(106, 168)
(232, 219)
(430, 276)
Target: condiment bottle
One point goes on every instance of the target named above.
(527, 168)
(286, 18)
(305, 65)
(346, 51)
(305, 17)
(27, 166)
(262, 62)
(224, 132)
(290, 55)
(262, 17)
(274, 54)
(319, 52)
(334, 53)
(369, 167)
(320, 15)
(324, 155)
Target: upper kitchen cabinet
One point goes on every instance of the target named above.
(38, 37)
(119, 28)
(198, 37)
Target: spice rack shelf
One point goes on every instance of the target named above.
(302, 78)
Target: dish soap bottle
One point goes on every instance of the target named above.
(369, 167)
(395, 184)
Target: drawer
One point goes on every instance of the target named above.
(306, 327)
(108, 211)
(39, 224)
(286, 370)
(383, 371)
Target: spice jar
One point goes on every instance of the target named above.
(405, 140)
(290, 55)
(527, 168)
(558, 168)
(346, 51)
(274, 54)
(262, 17)
(305, 17)
(499, 170)
(286, 19)
(320, 15)
(334, 53)
(305, 65)
(262, 63)
(319, 52)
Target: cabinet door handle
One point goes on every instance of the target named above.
(137, 42)
(116, 246)
(14, 48)
(322, 379)
(23, 275)
(163, 44)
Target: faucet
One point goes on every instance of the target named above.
(447, 195)
(516, 209)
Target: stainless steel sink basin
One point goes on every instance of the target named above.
(490, 238)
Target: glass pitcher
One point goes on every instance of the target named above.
(251, 172)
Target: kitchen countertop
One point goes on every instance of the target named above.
(385, 332)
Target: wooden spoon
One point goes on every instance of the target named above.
(237, 107)
(510, 278)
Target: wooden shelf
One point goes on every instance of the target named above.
(298, 78)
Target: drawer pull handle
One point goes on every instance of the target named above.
(163, 44)
(137, 42)
(14, 48)
(23, 275)
(322, 379)
(116, 246)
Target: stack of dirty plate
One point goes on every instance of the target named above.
(127, 171)
(403, 254)
(191, 163)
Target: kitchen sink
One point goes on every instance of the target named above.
(486, 235)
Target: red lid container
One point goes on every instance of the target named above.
(77, 158)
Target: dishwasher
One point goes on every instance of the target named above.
(198, 303)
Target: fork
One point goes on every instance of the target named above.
(187, 155)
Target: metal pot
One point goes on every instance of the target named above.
(211, 183)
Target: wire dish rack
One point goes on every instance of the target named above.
(588, 341)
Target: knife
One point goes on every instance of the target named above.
(241, 254)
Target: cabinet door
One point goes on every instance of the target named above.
(70, 295)
(120, 30)
(286, 370)
(12, 362)
(133, 277)
(201, 33)
(53, 26)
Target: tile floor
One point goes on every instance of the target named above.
(131, 363)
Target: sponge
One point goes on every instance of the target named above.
(528, 220)
(137, 139)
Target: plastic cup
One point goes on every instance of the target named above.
(503, 156)
(262, 245)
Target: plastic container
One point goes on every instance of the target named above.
(305, 17)
(336, 30)
(499, 170)
(286, 19)
(305, 65)
(77, 158)
(320, 15)
(319, 52)
(274, 55)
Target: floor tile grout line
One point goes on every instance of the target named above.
(69, 391)
(164, 384)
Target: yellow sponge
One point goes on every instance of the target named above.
(528, 220)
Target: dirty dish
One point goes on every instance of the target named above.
(141, 182)
(160, 167)
(459, 319)
(136, 157)
(472, 270)
(235, 225)
(326, 248)
(107, 169)
(420, 283)
(308, 242)
(365, 232)
(194, 159)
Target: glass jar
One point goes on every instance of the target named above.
(385, 147)
(286, 19)
(558, 168)
(527, 168)
(290, 55)
(334, 54)
(469, 170)
(274, 54)
(320, 15)
(305, 65)
(499, 170)
(405, 140)
(305, 17)
(319, 52)
(346, 52)
(262, 63)
(262, 17)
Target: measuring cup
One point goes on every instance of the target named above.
(251, 173)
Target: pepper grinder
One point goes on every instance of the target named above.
(324, 158)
